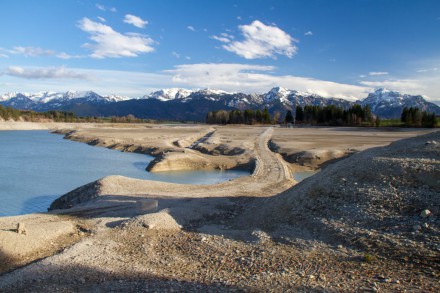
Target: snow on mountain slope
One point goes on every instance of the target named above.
(116, 98)
(168, 94)
(384, 103)
(45, 97)
(278, 93)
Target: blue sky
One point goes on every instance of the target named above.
(333, 48)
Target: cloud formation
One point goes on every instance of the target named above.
(66, 56)
(43, 73)
(427, 70)
(105, 8)
(309, 33)
(32, 51)
(425, 84)
(231, 77)
(257, 78)
(260, 41)
(109, 43)
(191, 28)
(376, 73)
(135, 20)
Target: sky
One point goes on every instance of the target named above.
(340, 48)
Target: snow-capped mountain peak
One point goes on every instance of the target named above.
(209, 91)
(381, 96)
(116, 98)
(169, 94)
(278, 93)
(8, 96)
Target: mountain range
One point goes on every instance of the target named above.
(193, 105)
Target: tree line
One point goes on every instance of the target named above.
(314, 115)
(413, 117)
(9, 113)
(335, 116)
(241, 117)
(330, 115)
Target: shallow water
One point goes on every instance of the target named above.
(37, 167)
(300, 176)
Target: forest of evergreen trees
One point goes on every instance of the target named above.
(312, 115)
(240, 117)
(319, 115)
(413, 117)
(8, 113)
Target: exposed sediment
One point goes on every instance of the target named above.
(367, 223)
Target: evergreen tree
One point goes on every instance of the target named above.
(299, 114)
(259, 116)
(266, 116)
(289, 117)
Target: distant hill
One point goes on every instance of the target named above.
(193, 105)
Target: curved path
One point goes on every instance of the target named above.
(270, 177)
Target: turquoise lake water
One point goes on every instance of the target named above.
(37, 167)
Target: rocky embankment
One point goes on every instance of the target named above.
(384, 201)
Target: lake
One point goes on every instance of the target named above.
(37, 167)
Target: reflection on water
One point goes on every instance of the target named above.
(35, 164)
(300, 176)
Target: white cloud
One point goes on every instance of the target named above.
(309, 33)
(221, 39)
(101, 19)
(135, 20)
(427, 70)
(66, 56)
(227, 36)
(262, 41)
(105, 8)
(43, 73)
(257, 78)
(224, 38)
(100, 7)
(403, 85)
(3, 55)
(375, 73)
(246, 78)
(32, 51)
(191, 28)
(109, 43)
(175, 54)
(416, 85)
(238, 17)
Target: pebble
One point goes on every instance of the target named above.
(425, 213)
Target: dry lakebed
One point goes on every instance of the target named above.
(368, 221)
